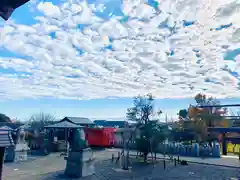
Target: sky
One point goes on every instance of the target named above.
(89, 58)
(109, 109)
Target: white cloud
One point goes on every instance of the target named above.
(49, 9)
(140, 61)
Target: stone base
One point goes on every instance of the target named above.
(21, 152)
(88, 163)
(80, 164)
(74, 164)
(124, 161)
(122, 170)
(20, 156)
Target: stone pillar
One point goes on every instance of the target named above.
(196, 149)
(217, 150)
(74, 164)
(80, 164)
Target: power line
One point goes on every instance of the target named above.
(220, 106)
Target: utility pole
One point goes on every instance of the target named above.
(125, 155)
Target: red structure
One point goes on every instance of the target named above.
(100, 137)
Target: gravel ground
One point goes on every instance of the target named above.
(51, 168)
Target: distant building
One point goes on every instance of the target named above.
(105, 123)
(117, 124)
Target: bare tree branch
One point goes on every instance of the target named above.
(38, 121)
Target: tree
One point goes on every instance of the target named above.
(183, 113)
(38, 121)
(4, 118)
(182, 135)
(150, 132)
(204, 117)
(203, 100)
(183, 131)
(8, 7)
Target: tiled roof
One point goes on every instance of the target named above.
(80, 120)
(10, 125)
(63, 124)
(6, 128)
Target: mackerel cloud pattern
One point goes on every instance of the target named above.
(121, 48)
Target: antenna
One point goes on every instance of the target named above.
(166, 118)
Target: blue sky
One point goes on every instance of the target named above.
(70, 58)
(113, 109)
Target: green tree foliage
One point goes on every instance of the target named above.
(183, 113)
(195, 121)
(4, 118)
(149, 132)
(204, 117)
(203, 100)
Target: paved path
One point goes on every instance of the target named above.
(51, 167)
(228, 161)
(38, 166)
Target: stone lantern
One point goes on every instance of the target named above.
(80, 160)
(21, 146)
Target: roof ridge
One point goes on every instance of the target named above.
(79, 120)
(76, 117)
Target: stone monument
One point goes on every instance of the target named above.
(21, 148)
(80, 160)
